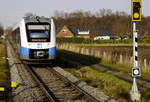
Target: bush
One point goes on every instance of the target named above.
(0, 41)
(144, 41)
(90, 41)
(73, 40)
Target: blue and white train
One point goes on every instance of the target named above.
(34, 38)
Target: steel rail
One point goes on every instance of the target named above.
(88, 96)
(50, 96)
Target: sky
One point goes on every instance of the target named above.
(11, 11)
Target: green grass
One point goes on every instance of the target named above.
(124, 68)
(4, 78)
(4, 73)
(111, 85)
(107, 44)
(97, 42)
(110, 45)
(91, 41)
(94, 60)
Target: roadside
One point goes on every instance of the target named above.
(110, 44)
(4, 73)
(101, 42)
(122, 55)
(113, 80)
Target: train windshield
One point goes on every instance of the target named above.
(38, 32)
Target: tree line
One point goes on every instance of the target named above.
(1, 30)
(105, 19)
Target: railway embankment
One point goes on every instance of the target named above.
(4, 73)
(95, 92)
(26, 89)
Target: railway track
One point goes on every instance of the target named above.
(57, 88)
(49, 95)
(51, 85)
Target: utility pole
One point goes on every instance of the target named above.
(136, 17)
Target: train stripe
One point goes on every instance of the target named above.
(24, 51)
(52, 51)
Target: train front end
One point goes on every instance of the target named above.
(38, 41)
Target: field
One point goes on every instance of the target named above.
(4, 75)
(80, 57)
(97, 42)
(127, 54)
(112, 83)
(114, 53)
(144, 51)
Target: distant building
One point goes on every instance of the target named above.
(83, 33)
(102, 34)
(68, 32)
(102, 37)
(2, 37)
(65, 32)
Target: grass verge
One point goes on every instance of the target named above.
(109, 45)
(111, 85)
(4, 72)
(124, 68)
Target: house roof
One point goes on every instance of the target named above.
(83, 29)
(93, 32)
(59, 28)
(101, 32)
(74, 30)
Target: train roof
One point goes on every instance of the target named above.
(36, 19)
(31, 19)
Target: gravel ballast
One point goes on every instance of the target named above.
(26, 90)
(95, 92)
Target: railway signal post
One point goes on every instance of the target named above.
(136, 17)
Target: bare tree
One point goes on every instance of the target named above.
(1, 30)
(104, 19)
(8, 31)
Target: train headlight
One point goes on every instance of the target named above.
(40, 53)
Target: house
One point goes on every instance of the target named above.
(101, 34)
(65, 32)
(68, 32)
(2, 37)
(83, 33)
(102, 37)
